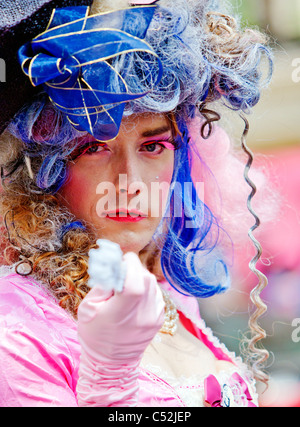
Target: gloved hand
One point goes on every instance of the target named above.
(114, 329)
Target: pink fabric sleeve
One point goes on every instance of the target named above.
(39, 351)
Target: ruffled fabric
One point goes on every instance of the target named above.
(40, 355)
(236, 385)
(217, 395)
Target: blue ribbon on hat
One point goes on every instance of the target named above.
(73, 61)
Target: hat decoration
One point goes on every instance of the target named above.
(73, 61)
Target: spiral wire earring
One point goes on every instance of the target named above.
(258, 333)
(210, 117)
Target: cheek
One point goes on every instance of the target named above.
(164, 181)
(166, 174)
(160, 189)
(78, 193)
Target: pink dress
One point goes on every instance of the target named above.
(40, 356)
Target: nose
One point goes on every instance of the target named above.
(129, 177)
(132, 187)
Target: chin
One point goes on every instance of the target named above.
(129, 242)
(135, 247)
(130, 237)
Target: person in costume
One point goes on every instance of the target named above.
(108, 239)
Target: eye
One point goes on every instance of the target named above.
(158, 147)
(90, 149)
(95, 148)
(153, 147)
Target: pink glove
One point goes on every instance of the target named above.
(114, 330)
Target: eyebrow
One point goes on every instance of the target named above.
(146, 134)
(157, 131)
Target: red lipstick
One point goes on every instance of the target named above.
(125, 216)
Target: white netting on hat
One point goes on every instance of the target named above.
(14, 11)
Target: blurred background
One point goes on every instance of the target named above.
(274, 132)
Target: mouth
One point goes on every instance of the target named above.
(125, 215)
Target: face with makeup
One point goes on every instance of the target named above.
(121, 187)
